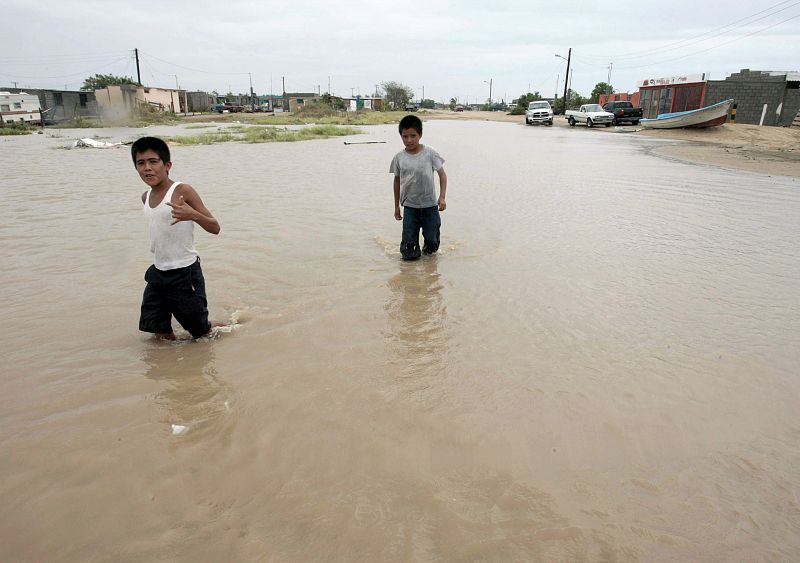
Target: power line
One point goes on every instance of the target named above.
(192, 69)
(735, 39)
(702, 37)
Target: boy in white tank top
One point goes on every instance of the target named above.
(175, 283)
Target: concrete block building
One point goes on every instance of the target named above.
(761, 97)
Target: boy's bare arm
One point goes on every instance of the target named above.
(188, 206)
(442, 189)
(397, 214)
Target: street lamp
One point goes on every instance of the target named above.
(490, 92)
(569, 56)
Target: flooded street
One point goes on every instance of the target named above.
(600, 364)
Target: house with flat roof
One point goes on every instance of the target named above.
(124, 101)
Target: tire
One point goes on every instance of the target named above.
(608, 125)
(635, 122)
(589, 122)
(614, 122)
(571, 121)
(550, 122)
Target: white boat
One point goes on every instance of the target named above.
(708, 116)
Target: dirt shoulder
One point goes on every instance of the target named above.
(774, 151)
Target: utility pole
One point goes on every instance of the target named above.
(555, 97)
(329, 86)
(283, 97)
(570, 81)
(252, 99)
(609, 77)
(566, 76)
(138, 74)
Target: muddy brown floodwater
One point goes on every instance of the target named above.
(601, 363)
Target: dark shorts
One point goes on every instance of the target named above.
(177, 293)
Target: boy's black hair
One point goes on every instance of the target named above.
(411, 122)
(151, 143)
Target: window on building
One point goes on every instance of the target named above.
(5, 107)
(17, 105)
(665, 103)
(644, 102)
(58, 99)
(300, 102)
(687, 98)
(83, 99)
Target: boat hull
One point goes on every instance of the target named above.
(709, 116)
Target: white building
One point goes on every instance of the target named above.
(19, 108)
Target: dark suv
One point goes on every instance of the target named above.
(624, 112)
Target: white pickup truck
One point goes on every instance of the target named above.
(539, 112)
(591, 114)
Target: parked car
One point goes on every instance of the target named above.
(539, 112)
(591, 115)
(624, 112)
(233, 108)
(412, 107)
(459, 108)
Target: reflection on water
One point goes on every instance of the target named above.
(418, 315)
(194, 399)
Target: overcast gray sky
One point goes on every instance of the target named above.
(451, 48)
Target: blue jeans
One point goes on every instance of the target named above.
(415, 219)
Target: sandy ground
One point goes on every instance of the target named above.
(767, 150)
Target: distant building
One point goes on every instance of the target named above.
(20, 107)
(62, 105)
(671, 94)
(619, 97)
(761, 97)
(295, 101)
(125, 100)
(364, 103)
(268, 101)
(200, 102)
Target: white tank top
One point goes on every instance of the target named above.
(171, 245)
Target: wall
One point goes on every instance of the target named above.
(121, 102)
(751, 90)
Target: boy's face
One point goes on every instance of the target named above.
(411, 139)
(152, 170)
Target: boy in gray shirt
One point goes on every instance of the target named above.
(415, 190)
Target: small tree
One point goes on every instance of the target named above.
(427, 104)
(453, 103)
(524, 100)
(575, 100)
(99, 81)
(396, 95)
(599, 89)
